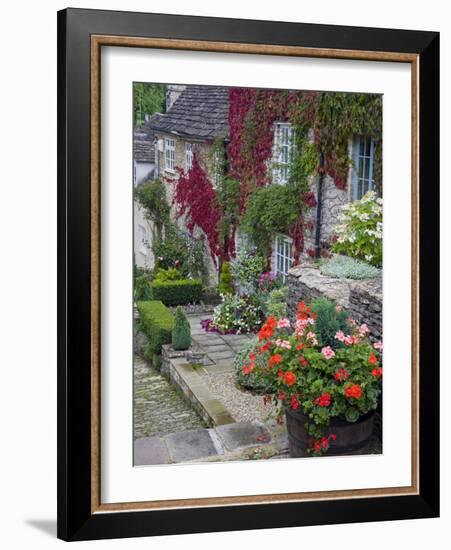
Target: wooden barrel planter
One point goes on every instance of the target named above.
(353, 438)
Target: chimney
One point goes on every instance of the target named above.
(172, 93)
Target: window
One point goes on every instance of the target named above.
(189, 154)
(284, 255)
(363, 166)
(282, 152)
(170, 154)
(143, 240)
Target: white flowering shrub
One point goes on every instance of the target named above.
(345, 267)
(237, 314)
(359, 231)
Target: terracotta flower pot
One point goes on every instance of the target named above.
(352, 438)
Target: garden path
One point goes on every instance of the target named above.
(158, 407)
(220, 348)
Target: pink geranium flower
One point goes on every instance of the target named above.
(340, 336)
(328, 352)
(378, 345)
(283, 323)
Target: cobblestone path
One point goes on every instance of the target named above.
(159, 408)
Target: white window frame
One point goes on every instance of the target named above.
(143, 240)
(363, 180)
(283, 146)
(283, 255)
(189, 155)
(169, 154)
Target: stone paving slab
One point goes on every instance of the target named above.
(150, 450)
(190, 445)
(242, 434)
(220, 366)
(158, 408)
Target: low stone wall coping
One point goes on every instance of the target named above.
(361, 298)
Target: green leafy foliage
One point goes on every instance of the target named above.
(225, 280)
(271, 210)
(276, 303)
(329, 321)
(151, 196)
(142, 288)
(180, 251)
(242, 358)
(162, 275)
(247, 268)
(173, 293)
(359, 231)
(345, 267)
(181, 333)
(147, 100)
(157, 322)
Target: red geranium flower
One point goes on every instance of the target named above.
(275, 359)
(372, 359)
(289, 378)
(294, 402)
(303, 361)
(324, 400)
(317, 446)
(354, 390)
(341, 375)
(247, 369)
(377, 372)
(265, 347)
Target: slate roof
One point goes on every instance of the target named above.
(143, 144)
(200, 112)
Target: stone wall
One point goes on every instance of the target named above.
(362, 299)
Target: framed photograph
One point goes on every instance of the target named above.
(248, 274)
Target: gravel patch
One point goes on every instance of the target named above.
(242, 405)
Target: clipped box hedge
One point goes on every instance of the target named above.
(157, 323)
(174, 293)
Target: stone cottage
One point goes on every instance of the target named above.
(197, 117)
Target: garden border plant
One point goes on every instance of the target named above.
(324, 382)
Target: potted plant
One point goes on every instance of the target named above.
(328, 393)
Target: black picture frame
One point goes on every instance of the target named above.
(76, 521)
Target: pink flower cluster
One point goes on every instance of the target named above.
(283, 344)
(350, 339)
(283, 323)
(301, 324)
(328, 352)
(311, 336)
(378, 345)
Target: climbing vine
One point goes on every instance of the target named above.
(196, 199)
(322, 124)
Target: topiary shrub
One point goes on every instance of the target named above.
(345, 267)
(225, 279)
(181, 333)
(329, 320)
(157, 322)
(142, 290)
(174, 293)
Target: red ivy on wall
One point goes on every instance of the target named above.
(196, 199)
